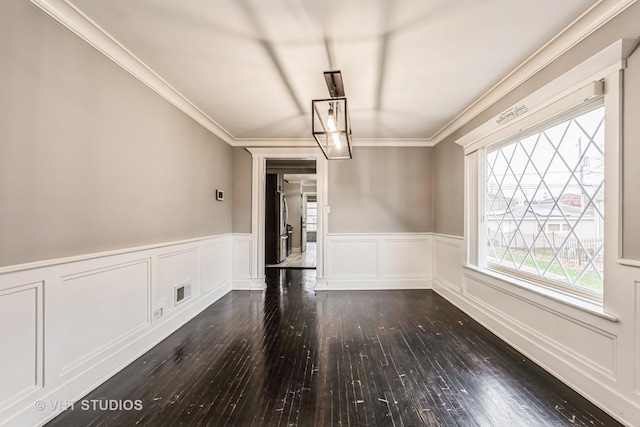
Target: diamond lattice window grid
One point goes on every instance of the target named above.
(545, 203)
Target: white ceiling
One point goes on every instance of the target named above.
(409, 66)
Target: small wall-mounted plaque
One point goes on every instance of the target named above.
(219, 195)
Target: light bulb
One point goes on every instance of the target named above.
(331, 121)
(336, 140)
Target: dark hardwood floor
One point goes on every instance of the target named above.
(373, 358)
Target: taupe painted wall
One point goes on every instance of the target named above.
(241, 194)
(626, 25)
(294, 203)
(90, 158)
(448, 213)
(382, 190)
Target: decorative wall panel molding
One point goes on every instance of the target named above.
(404, 258)
(378, 261)
(242, 251)
(96, 313)
(92, 313)
(353, 258)
(178, 267)
(446, 261)
(578, 343)
(21, 329)
(215, 264)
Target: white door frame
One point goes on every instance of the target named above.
(258, 176)
(303, 236)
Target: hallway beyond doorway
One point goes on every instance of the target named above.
(302, 260)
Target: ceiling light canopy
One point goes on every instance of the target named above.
(331, 124)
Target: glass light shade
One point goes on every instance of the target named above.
(331, 127)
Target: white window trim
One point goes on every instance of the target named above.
(562, 94)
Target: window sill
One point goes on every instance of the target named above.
(558, 296)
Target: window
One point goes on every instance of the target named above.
(312, 216)
(544, 202)
(540, 178)
(554, 227)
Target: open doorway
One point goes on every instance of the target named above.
(291, 214)
(260, 155)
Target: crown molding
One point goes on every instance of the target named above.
(310, 142)
(73, 19)
(583, 26)
(389, 142)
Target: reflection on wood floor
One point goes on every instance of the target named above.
(306, 259)
(289, 357)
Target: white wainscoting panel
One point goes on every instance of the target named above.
(447, 269)
(21, 332)
(175, 268)
(580, 343)
(72, 323)
(353, 258)
(408, 257)
(378, 261)
(242, 250)
(215, 265)
(91, 312)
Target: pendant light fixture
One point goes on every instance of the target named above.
(331, 125)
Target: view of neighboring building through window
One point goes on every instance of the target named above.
(544, 206)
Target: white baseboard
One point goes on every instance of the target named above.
(321, 284)
(241, 285)
(377, 284)
(257, 284)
